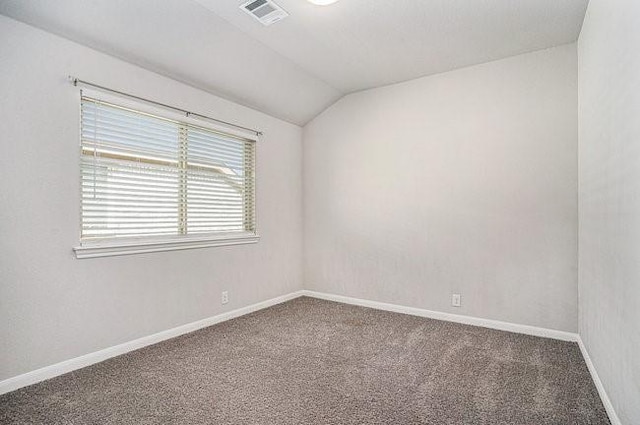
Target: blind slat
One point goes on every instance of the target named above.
(143, 175)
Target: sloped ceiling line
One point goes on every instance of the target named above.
(296, 68)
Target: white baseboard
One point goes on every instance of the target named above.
(457, 318)
(66, 366)
(613, 416)
(486, 323)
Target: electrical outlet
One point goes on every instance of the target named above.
(225, 297)
(455, 300)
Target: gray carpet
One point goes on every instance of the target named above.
(317, 362)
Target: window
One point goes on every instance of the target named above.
(150, 180)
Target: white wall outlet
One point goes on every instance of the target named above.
(455, 300)
(225, 297)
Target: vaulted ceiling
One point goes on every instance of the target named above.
(297, 67)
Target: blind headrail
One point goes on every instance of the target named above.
(78, 82)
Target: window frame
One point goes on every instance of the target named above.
(104, 247)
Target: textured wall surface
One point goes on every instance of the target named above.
(54, 307)
(461, 182)
(609, 115)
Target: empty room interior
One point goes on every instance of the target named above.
(290, 212)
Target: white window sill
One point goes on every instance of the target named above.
(142, 246)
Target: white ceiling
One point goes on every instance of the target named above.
(297, 67)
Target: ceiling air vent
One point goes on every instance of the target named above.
(265, 11)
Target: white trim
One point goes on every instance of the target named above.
(486, 323)
(613, 416)
(67, 366)
(61, 368)
(113, 248)
(456, 318)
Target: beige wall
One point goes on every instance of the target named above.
(460, 182)
(54, 307)
(609, 108)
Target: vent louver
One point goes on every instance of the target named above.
(264, 11)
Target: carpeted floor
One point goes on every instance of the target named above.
(317, 362)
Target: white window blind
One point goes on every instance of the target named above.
(148, 176)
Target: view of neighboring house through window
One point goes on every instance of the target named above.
(148, 176)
